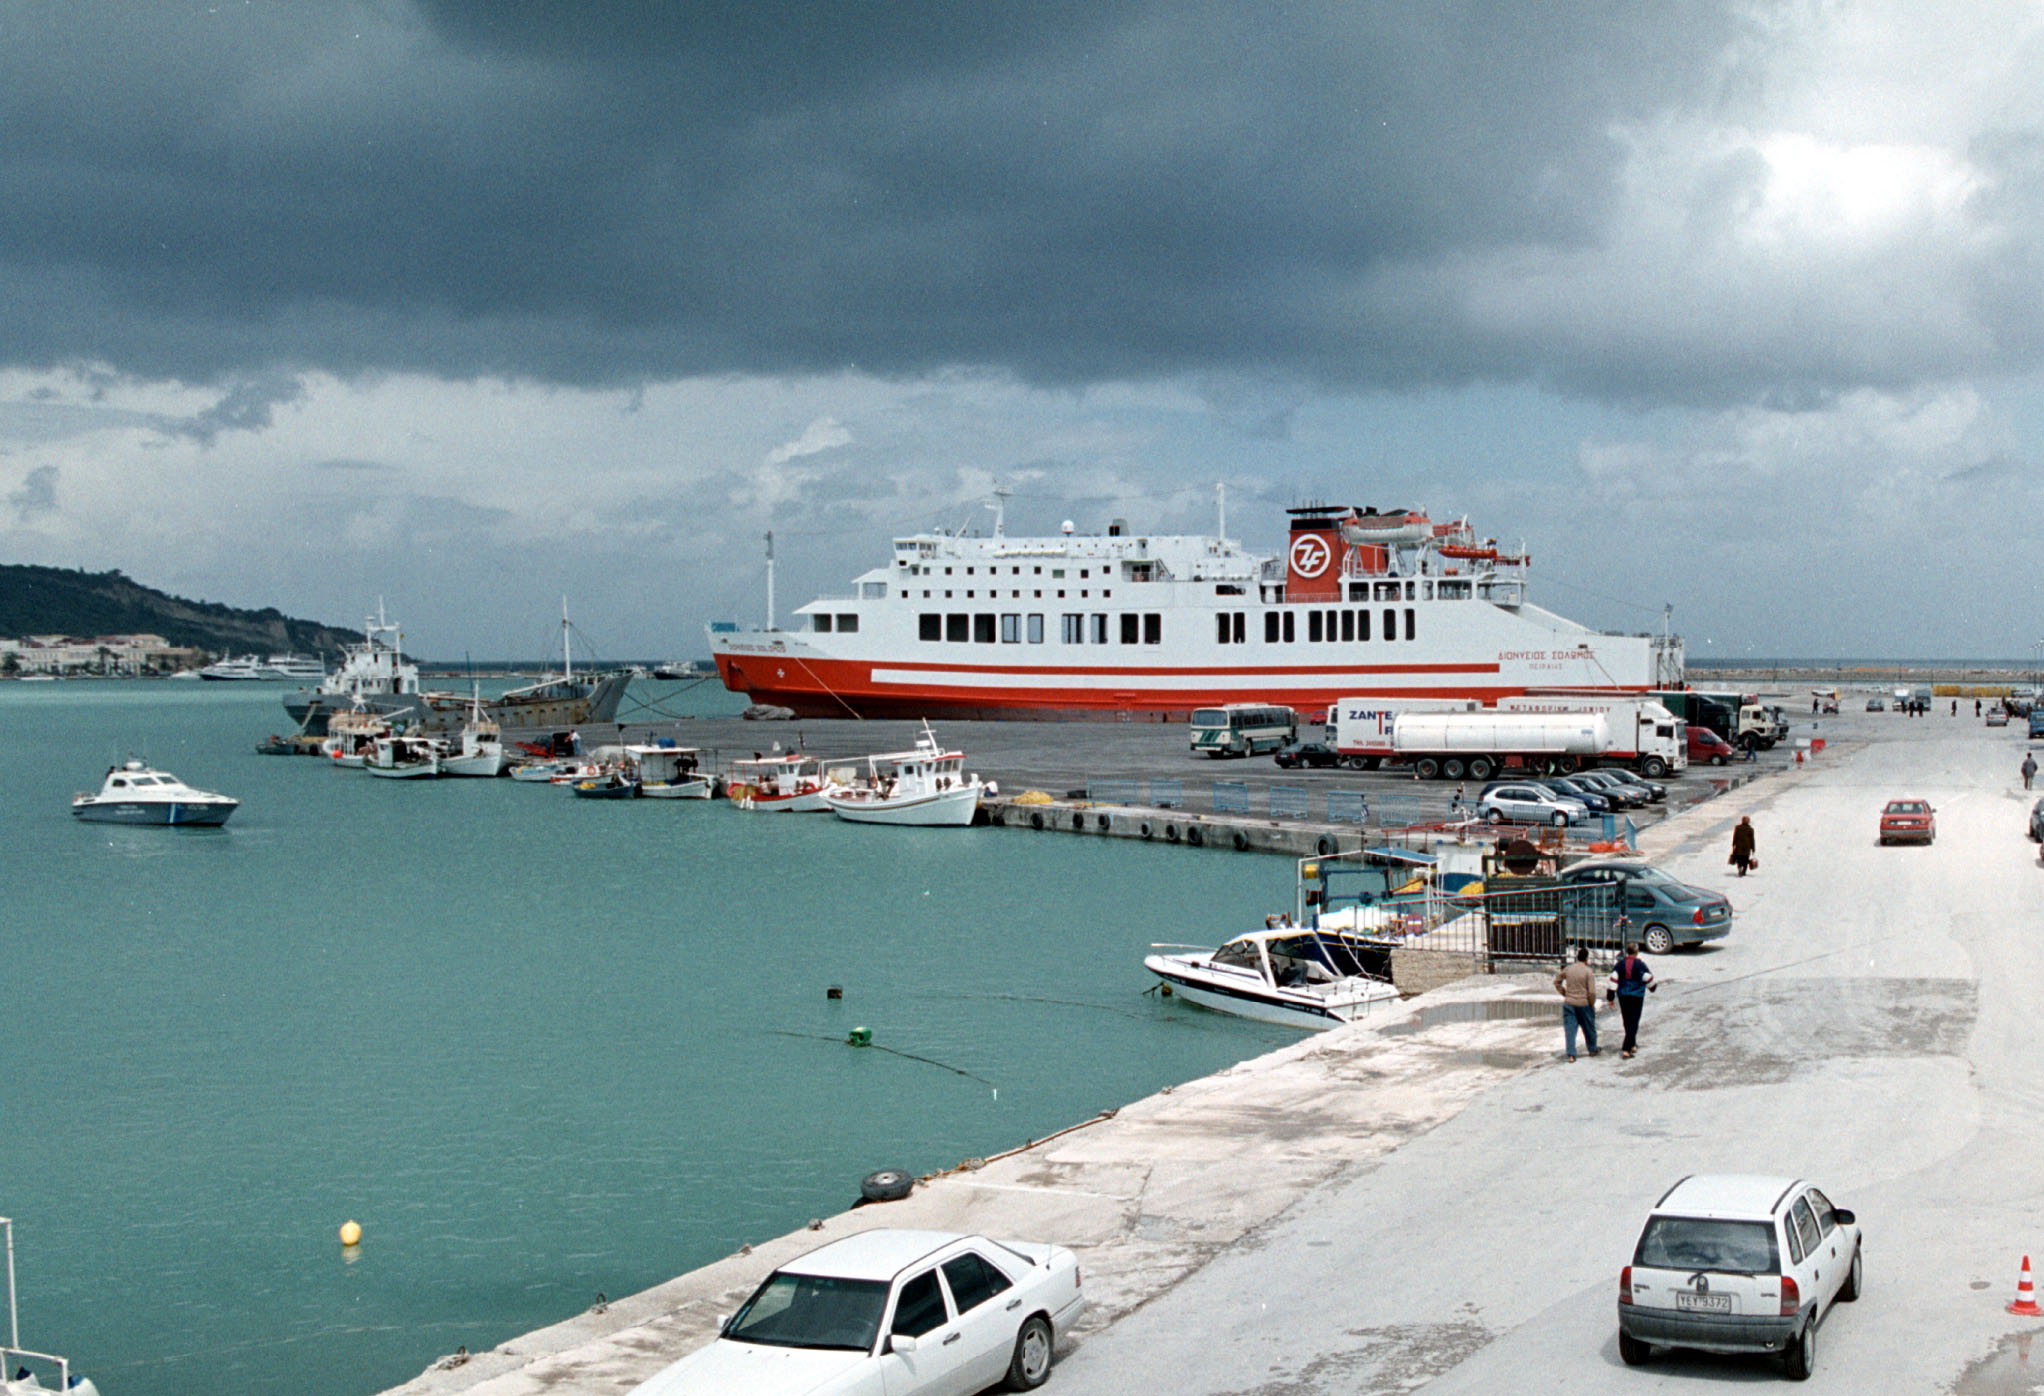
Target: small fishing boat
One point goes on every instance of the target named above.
(351, 737)
(926, 788)
(788, 782)
(610, 785)
(1293, 975)
(25, 1382)
(404, 758)
(479, 750)
(543, 772)
(669, 772)
(133, 793)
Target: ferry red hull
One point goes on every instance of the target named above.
(814, 687)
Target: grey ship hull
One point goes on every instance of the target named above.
(543, 707)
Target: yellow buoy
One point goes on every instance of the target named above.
(351, 1234)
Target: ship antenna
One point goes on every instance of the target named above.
(770, 579)
(1221, 511)
(1000, 508)
(567, 659)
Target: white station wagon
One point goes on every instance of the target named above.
(892, 1313)
(1736, 1263)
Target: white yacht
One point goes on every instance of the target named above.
(133, 793)
(245, 668)
(295, 668)
(1297, 976)
(926, 787)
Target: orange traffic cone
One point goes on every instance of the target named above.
(2026, 1298)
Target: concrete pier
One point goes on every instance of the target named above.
(1433, 1198)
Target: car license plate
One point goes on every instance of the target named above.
(1705, 1303)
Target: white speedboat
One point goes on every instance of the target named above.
(404, 758)
(669, 772)
(25, 1381)
(1293, 975)
(789, 782)
(132, 793)
(926, 787)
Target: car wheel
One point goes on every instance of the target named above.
(1849, 1291)
(1719, 759)
(1493, 815)
(1799, 1359)
(1631, 1349)
(1658, 940)
(1029, 1368)
(1560, 820)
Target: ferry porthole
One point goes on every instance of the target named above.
(1241, 841)
(1171, 833)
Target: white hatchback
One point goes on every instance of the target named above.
(1523, 802)
(892, 1313)
(1737, 1263)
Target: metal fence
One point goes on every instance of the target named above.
(1347, 808)
(1231, 797)
(1289, 801)
(1399, 811)
(1164, 794)
(1543, 924)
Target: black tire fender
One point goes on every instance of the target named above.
(1324, 845)
(886, 1185)
(1171, 833)
(1036, 819)
(1195, 835)
(1240, 840)
(1144, 829)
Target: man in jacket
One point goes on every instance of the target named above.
(1631, 982)
(1578, 990)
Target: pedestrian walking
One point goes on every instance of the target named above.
(1631, 982)
(1976, 707)
(1742, 845)
(1955, 707)
(1578, 990)
(2029, 768)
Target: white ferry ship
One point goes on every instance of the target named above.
(1141, 626)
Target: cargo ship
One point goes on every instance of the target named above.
(1126, 626)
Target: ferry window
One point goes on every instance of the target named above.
(1016, 571)
(1452, 591)
(1037, 595)
(930, 626)
(1071, 629)
(1270, 627)
(1390, 624)
(1131, 626)
(983, 628)
(1099, 629)
(847, 623)
(1057, 571)
(873, 591)
(1387, 591)
(1348, 626)
(1011, 629)
(1362, 625)
(820, 624)
(1313, 626)
(1225, 629)
(947, 571)
(1083, 572)
(1035, 629)
(1408, 623)
(1038, 571)
(968, 571)
(1241, 628)
(1411, 589)
(1153, 628)
(1288, 628)
(957, 626)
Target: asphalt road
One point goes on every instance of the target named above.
(1876, 1023)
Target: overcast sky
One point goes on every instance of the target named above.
(471, 304)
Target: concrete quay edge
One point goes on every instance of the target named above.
(1147, 1194)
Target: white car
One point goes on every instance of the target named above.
(1523, 802)
(892, 1313)
(1736, 1263)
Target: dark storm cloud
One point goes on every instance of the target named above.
(600, 193)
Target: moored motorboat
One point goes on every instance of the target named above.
(610, 785)
(790, 782)
(133, 793)
(479, 749)
(246, 668)
(1294, 975)
(926, 787)
(351, 737)
(669, 772)
(25, 1382)
(404, 758)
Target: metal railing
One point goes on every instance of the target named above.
(1230, 797)
(1347, 808)
(1289, 801)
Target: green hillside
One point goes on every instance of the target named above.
(53, 601)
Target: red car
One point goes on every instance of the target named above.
(1706, 745)
(1908, 821)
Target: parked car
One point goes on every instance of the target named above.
(1622, 794)
(1738, 1263)
(1659, 912)
(1527, 802)
(1875, 705)
(1997, 717)
(1706, 745)
(1574, 788)
(1317, 755)
(1908, 821)
(2037, 821)
(894, 1311)
(1652, 789)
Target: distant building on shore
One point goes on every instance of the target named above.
(102, 654)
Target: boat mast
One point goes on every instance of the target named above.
(13, 1319)
(1221, 511)
(567, 659)
(1000, 508)
(770, 579)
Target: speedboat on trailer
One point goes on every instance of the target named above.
(1292, 975)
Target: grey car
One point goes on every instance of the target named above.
(1527, 802)
(1656, 910)
(1622, 794)
(2037, 821)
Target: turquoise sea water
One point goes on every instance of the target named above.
(538, 1047)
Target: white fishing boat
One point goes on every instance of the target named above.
(479, 748)
(926, 787)
(1293, 975)
(24, 1380)
(351, 737)
(669, 772)
(543, 772)
(788, 782)
(404, 758)
(133, 793)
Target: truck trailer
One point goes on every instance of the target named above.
(1478, 744)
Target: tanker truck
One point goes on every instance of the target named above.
(1478, 745)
